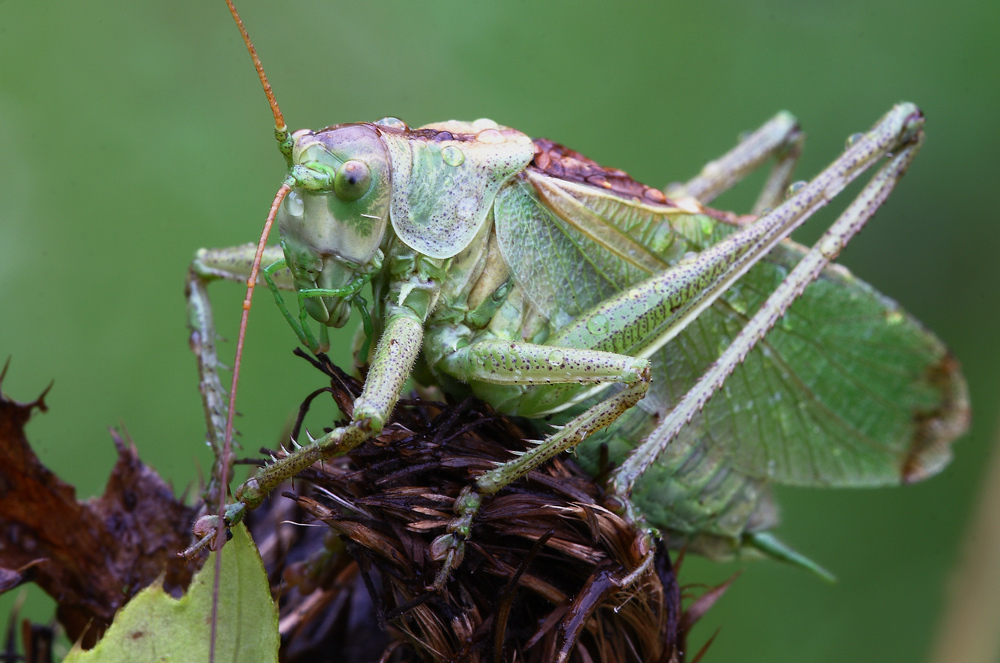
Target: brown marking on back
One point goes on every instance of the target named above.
(560, 162)
(936, 429)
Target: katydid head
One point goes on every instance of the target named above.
(333, 220)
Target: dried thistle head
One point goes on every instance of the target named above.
(541, 578)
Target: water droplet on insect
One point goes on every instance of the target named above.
(556, 358)
(738, 300)
(484, 123)
(707, 225)
(688, 258)
(853, 139)
(452, 155)
(392, 123)
(794, 188)
(711, 169)
(893, 317)
(490, 137)
(448, 182)
(597, 324)
(293, 203)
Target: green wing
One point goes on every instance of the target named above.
(847, 390)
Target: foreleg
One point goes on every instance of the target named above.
(230, 264)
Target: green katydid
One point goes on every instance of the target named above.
(682, 339)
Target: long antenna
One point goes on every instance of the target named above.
(279, 120)
(281, 133)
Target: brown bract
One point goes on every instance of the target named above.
(541, 578)
(90, 556)
(541, 575)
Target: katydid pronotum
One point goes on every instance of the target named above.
(705, 352)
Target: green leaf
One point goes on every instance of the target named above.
(154, 626)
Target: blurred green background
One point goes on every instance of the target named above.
(132, 133)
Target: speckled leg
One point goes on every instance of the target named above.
(779, 137)
(229, 264)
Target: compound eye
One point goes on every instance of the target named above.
(352, 181)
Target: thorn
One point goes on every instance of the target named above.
(40, 401)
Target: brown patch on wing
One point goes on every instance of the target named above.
(560, 162)
(936, 429)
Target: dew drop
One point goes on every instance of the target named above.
(893, 317)
(738, 301)
(794, 188)
(711, 169)
(484, 123)
(452, 155)
(556, 358)
(688, 258)
(597, 324)
(853, 139)
(392, 123)
(490, 137)
(293, 203)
